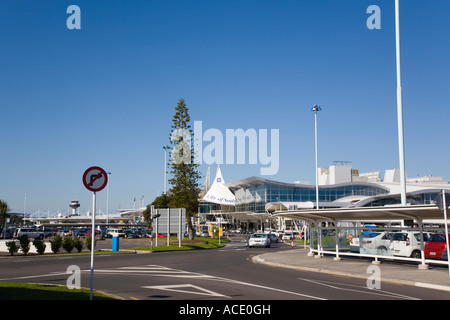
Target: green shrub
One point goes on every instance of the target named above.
(89, 242)
(68, 244)
(78, 244)
(12, 247)
(56, 243)
(40, 246)
(24, 244)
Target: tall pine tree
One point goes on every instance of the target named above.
(185, 175)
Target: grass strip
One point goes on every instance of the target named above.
(33, 291)
(198, 244)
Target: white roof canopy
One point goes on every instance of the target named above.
(414, 212)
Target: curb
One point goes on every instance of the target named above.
(259, 259)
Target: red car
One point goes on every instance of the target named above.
(435, 246)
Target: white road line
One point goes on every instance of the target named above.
(152, 270)
(361, 289)
(36, 276)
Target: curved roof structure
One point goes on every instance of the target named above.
(257, 181)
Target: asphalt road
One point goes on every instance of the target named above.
(201, 276)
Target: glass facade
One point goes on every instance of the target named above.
(253, 194)
(254, 198)
(418, 198)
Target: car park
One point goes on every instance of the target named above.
(407, 244)
(435, 246)
(259, 239)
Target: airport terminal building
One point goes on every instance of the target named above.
(340, 186)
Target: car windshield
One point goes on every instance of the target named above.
(259, 235)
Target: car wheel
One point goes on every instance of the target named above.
(416, 254)
(381, 251)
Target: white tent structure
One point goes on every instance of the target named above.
(219, 193)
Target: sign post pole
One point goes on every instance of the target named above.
(92, 245)
(168, 227)
(180, 234)
(94, 179)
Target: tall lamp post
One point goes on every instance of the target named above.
(165, 147)
(401, 148)
(316, 109)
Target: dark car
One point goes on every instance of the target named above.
(129, 234)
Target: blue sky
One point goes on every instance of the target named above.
(105, 95)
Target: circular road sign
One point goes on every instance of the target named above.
(95, 179)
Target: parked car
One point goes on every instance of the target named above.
(159, 235)
(79, 232)
(377, 242)
(30, 233)
(129, 234)
(63, 232)
(407, 244)
(273, 237)
(87, 232)
(435, 246)
(259, 239)
(115, 232)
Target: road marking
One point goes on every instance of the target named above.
(176, 288)
(359, 289)
(36, 276)
(161, 271)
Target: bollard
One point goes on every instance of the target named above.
(115, 243)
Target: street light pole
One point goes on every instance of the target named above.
(401, 148)
(165, 147)
(316, 109)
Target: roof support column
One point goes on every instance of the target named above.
(310, 253)
(319, 240)
(422, 245)
(336, 240)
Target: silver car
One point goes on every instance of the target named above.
(260, 240)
